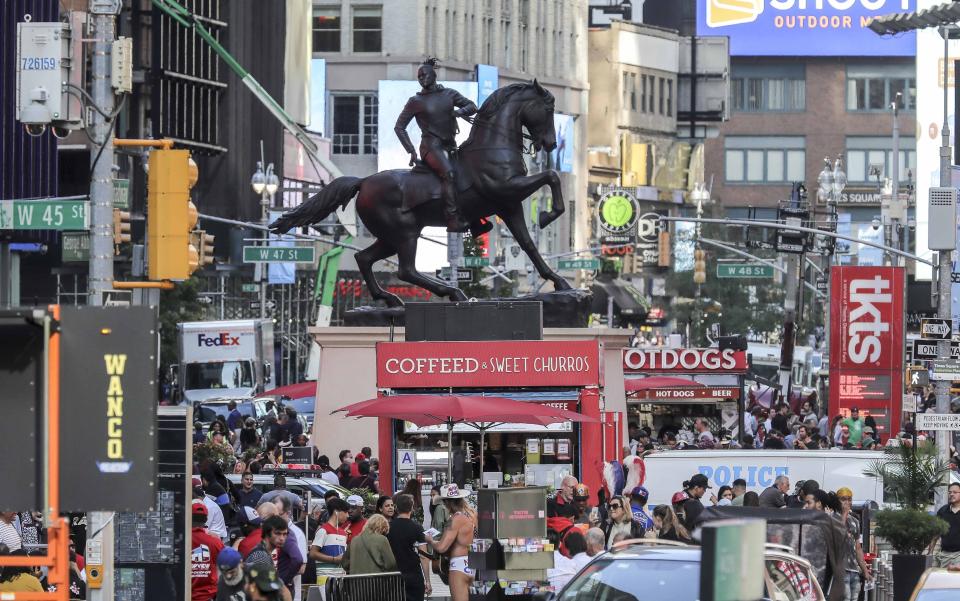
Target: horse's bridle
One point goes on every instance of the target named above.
(531, 150)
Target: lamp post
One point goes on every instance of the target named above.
(265, 184)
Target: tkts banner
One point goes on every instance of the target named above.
(866, 325)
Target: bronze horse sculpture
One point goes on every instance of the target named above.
(396, 205)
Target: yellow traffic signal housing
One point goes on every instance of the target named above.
(121, 229)
(204, 245)
(170, 215)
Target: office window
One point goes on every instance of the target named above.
(669, 98)
(367, 30)
(764, 159)
(662, 95)
(754, 94)
(643, 93)
(625, 90)
(633, 91)
(874, 87)
(326, 29)
(355, 124)
(867, 153)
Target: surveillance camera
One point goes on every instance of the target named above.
(59, 133)
(875, 223)
(35, 129)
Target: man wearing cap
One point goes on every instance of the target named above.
(855, 423)
(230, 565)
(638, 500)
(581, 504)
(855, 565)
(561, 505)
(696, 487)
(355, 520)
(203, 556)
(261, 583)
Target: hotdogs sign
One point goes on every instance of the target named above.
(497, 364)
(696, 360)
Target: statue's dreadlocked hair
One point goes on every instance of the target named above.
(431, 61)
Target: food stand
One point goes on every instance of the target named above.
(565, 373)
(670, 388)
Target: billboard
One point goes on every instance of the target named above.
(804, 27)
(488, 80)
(318, 95)
(866, 325)
(109, 391)
(562, 155)
(393, 96)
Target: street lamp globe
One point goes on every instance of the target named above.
(839, 176)
(259, 181)
(825, 182)
(272, 181)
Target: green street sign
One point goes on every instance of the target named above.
(278, 254)
(476, 262)
(744, 270)
(44, 215)
(591, 264)
(75, 247)
(249, 288)
(121, 194)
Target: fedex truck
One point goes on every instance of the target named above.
(224, 359)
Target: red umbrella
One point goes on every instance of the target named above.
(481, 412)
(296, 391)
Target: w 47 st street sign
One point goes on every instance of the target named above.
(51, 214)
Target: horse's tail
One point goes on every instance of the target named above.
(336, 194)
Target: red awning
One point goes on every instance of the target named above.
(295, 391)
(634, 384)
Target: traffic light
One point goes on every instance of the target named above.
(204, 245)
(170, 215)
(699, 266)
(121, 229)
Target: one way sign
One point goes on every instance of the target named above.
(937, 329)
(924, 349)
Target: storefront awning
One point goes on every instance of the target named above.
(634, 384)
(672, 389)
(631, 305)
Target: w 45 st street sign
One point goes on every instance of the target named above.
(52, 214)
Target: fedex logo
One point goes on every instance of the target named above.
(867, 322)
(735, 12)
(223, 339)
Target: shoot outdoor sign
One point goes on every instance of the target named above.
(804, 27)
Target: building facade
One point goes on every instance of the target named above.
(365, 43)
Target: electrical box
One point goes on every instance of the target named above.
(121, 65)
(40, 50)
(942, 232)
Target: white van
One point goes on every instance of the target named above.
(666, 470)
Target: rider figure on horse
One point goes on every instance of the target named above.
(436, 109)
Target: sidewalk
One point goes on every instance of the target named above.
(440, 590)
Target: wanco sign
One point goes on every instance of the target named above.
(708, 360)
(866, 324)
(499, 364)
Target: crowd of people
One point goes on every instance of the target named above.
(250, 544)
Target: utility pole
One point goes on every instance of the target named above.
(100, 276)
(944, 308)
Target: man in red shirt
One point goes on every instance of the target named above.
(355, 522)
(206, 547)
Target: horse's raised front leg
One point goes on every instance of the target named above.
(556, 192)
(407, 254)
(518, 227)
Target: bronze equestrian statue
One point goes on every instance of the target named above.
(491, 179)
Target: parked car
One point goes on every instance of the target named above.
(649, 570)
(207, 411)
(938, 584)
(317, 487)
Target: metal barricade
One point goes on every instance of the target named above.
(366, 587)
